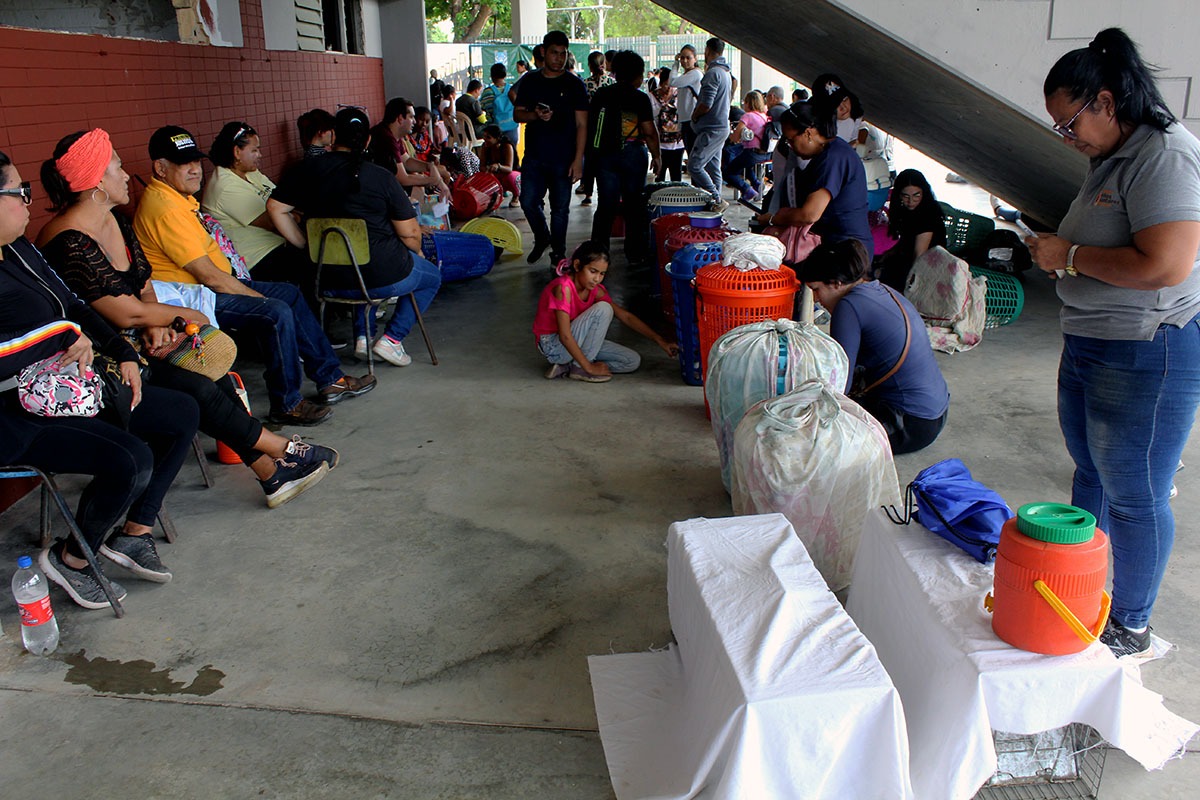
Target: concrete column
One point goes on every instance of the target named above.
(745, 76)
(528, 19)
(402, 33)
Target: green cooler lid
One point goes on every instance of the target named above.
(1057, 523)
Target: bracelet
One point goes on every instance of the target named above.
(1070, 270)
(771, 221)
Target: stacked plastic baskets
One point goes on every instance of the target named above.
(674, 199)
(727, 297)
(682, 270)
(461, 256)
(697, 231)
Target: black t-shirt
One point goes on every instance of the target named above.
(469, 105)
(631, 106)
(552, 142)
(326, 187)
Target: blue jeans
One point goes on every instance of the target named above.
(738, 165)
(589, 330)
(538, 177)
(1126, 409)
(704, 160)
(423, 282)
(288, 335)
(620, 179)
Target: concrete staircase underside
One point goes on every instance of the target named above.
(975, 132)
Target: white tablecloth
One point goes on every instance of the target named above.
(771, 692)
(919, 600)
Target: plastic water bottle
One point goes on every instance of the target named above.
(39, 628)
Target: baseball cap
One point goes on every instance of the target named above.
(174, 144)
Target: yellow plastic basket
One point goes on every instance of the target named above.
(502, 233)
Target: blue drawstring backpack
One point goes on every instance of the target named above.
(948, 501)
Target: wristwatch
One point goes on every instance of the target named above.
(1070, 270)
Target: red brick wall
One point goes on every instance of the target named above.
(54, 83)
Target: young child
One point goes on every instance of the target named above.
(573, 316)
(316, 132)
(499, 158)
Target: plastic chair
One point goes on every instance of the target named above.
(50, 492)
(349, 247)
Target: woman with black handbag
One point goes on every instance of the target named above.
(41, 321)
(96, 253)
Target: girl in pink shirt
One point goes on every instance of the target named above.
(573, 316)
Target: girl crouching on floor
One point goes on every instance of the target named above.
(573, 316)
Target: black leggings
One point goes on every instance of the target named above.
(672, 162)
(165, 420)
(287, 264)
(120, 462)
(906, 433)
(222, 415)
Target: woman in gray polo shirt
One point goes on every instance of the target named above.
(1129, 378)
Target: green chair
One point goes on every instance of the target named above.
(338, 241)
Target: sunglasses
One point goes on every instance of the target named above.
(1065, 130)
(24, 191)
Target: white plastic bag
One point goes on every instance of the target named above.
(819, 459)
(188, 295)
(949, 299)
(747, 365)
(747, 251)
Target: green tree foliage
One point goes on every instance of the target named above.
(642, 18)
(492, 19)
(471, 18)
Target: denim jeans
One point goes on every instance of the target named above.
(424, 282)
(589, 330)
(620, 180)
(746, 160)
(704, 161)
(538, 177)
(1126, 409)
(288, 334)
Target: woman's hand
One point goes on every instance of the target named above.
(597, 368)
(155, 336)
(670, 348)
(1049, 252)
(763, 218)
(131, 376)
(79, 353)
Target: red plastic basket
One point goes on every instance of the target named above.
(677, 239)
(727, 298)
(476, 195)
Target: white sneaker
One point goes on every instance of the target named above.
(392, 351)
(360, 348)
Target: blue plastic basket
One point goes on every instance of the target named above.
(461, 256)
(682, 270)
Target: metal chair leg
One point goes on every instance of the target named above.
(202, 460)
(45, 518)
(368, 310)
(421, 325)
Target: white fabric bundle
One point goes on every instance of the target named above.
(819, 459)
(747, 251)
(746, 364)
(949, 299)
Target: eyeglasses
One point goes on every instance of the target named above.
(1065, 130)
(912, 197)
(24, 191)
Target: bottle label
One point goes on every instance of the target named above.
(36, 613)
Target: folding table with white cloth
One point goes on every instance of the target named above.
(919, 599)
(771, 691)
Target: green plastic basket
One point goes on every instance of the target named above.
(965, 231)
(1005, 297)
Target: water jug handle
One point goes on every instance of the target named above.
(1069, 617)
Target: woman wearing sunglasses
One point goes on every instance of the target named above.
(1127, 251)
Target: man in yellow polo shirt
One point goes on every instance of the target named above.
(181, 249)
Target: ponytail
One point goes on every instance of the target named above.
(57, 187)
(585, 254)
(1112, 61)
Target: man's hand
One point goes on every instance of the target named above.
(154, 336)
(576, 172)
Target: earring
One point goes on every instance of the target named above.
(100, 202)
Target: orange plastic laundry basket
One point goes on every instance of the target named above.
(727, 298)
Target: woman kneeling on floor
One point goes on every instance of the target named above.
(884, 338)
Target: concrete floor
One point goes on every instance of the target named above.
(418, 625)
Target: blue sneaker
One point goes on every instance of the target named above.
(306, 453)
(291, 479)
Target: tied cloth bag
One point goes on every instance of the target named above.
(949, 299)
(199, 348)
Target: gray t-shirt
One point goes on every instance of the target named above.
(1154, 178)
(715, 89)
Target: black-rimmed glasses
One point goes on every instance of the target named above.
(24, 191)
(1065, 130)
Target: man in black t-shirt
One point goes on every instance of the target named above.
(620, 129)
(552, 103)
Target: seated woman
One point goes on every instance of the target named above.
(95, 252)
(421, 141)
(831, 191)
(342, 184)
(236, 196)
(884, 338)
(41, 319)
(916, 220)
(752, 152)
(499, 158)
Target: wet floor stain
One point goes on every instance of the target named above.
(136, 677)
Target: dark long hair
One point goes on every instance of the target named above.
(352, 130)
(56, 186)
(840, 262)
(898, 215)
(817, 113)
(232, 134)
(1112, 62)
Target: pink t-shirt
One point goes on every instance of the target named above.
(755, 121)
(545, 320)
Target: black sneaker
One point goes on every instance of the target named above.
(306, 453)
(1124, 642)
(138, 555)
(291, 479)
(535, 255)
(80, 584)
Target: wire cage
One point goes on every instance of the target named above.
(1059, 764)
